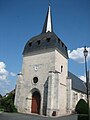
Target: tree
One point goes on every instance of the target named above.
(81, 107)
(0, 96)
(7, 103)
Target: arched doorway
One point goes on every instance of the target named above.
(36, 100)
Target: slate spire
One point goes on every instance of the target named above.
(48, 27)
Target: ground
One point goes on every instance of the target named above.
(18, 116)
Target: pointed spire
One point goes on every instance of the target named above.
(48, 27)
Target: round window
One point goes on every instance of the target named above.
(35, 79)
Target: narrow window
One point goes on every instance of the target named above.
(30, 44)
(65, 48)
(62, 44)
(38, 42)
(61, 68)
(48, 39)
(58, 40)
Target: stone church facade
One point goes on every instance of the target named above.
(45, 86)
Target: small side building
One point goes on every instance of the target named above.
(76, 90)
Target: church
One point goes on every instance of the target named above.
(44, 85)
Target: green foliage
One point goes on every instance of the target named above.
(7, 103)
(81, 107)
(1, 109)
(0, 96)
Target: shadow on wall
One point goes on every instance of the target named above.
(45, 97)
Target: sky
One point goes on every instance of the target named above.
(20, 20)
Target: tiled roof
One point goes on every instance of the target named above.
(77, 83)
(45, 41)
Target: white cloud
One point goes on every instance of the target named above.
(3, 88)
(2, 65)
(3, 71)
(78, 55)
(4, 74)
(5, 78)
(12, 74)
(83, 78)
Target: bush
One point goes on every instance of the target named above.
(7, 103)
(81, 107)
(1, 109)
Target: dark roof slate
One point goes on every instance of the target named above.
(45, 41)
(77, 83)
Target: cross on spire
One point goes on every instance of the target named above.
(48, 27)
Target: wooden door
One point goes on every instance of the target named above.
(36, 99)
